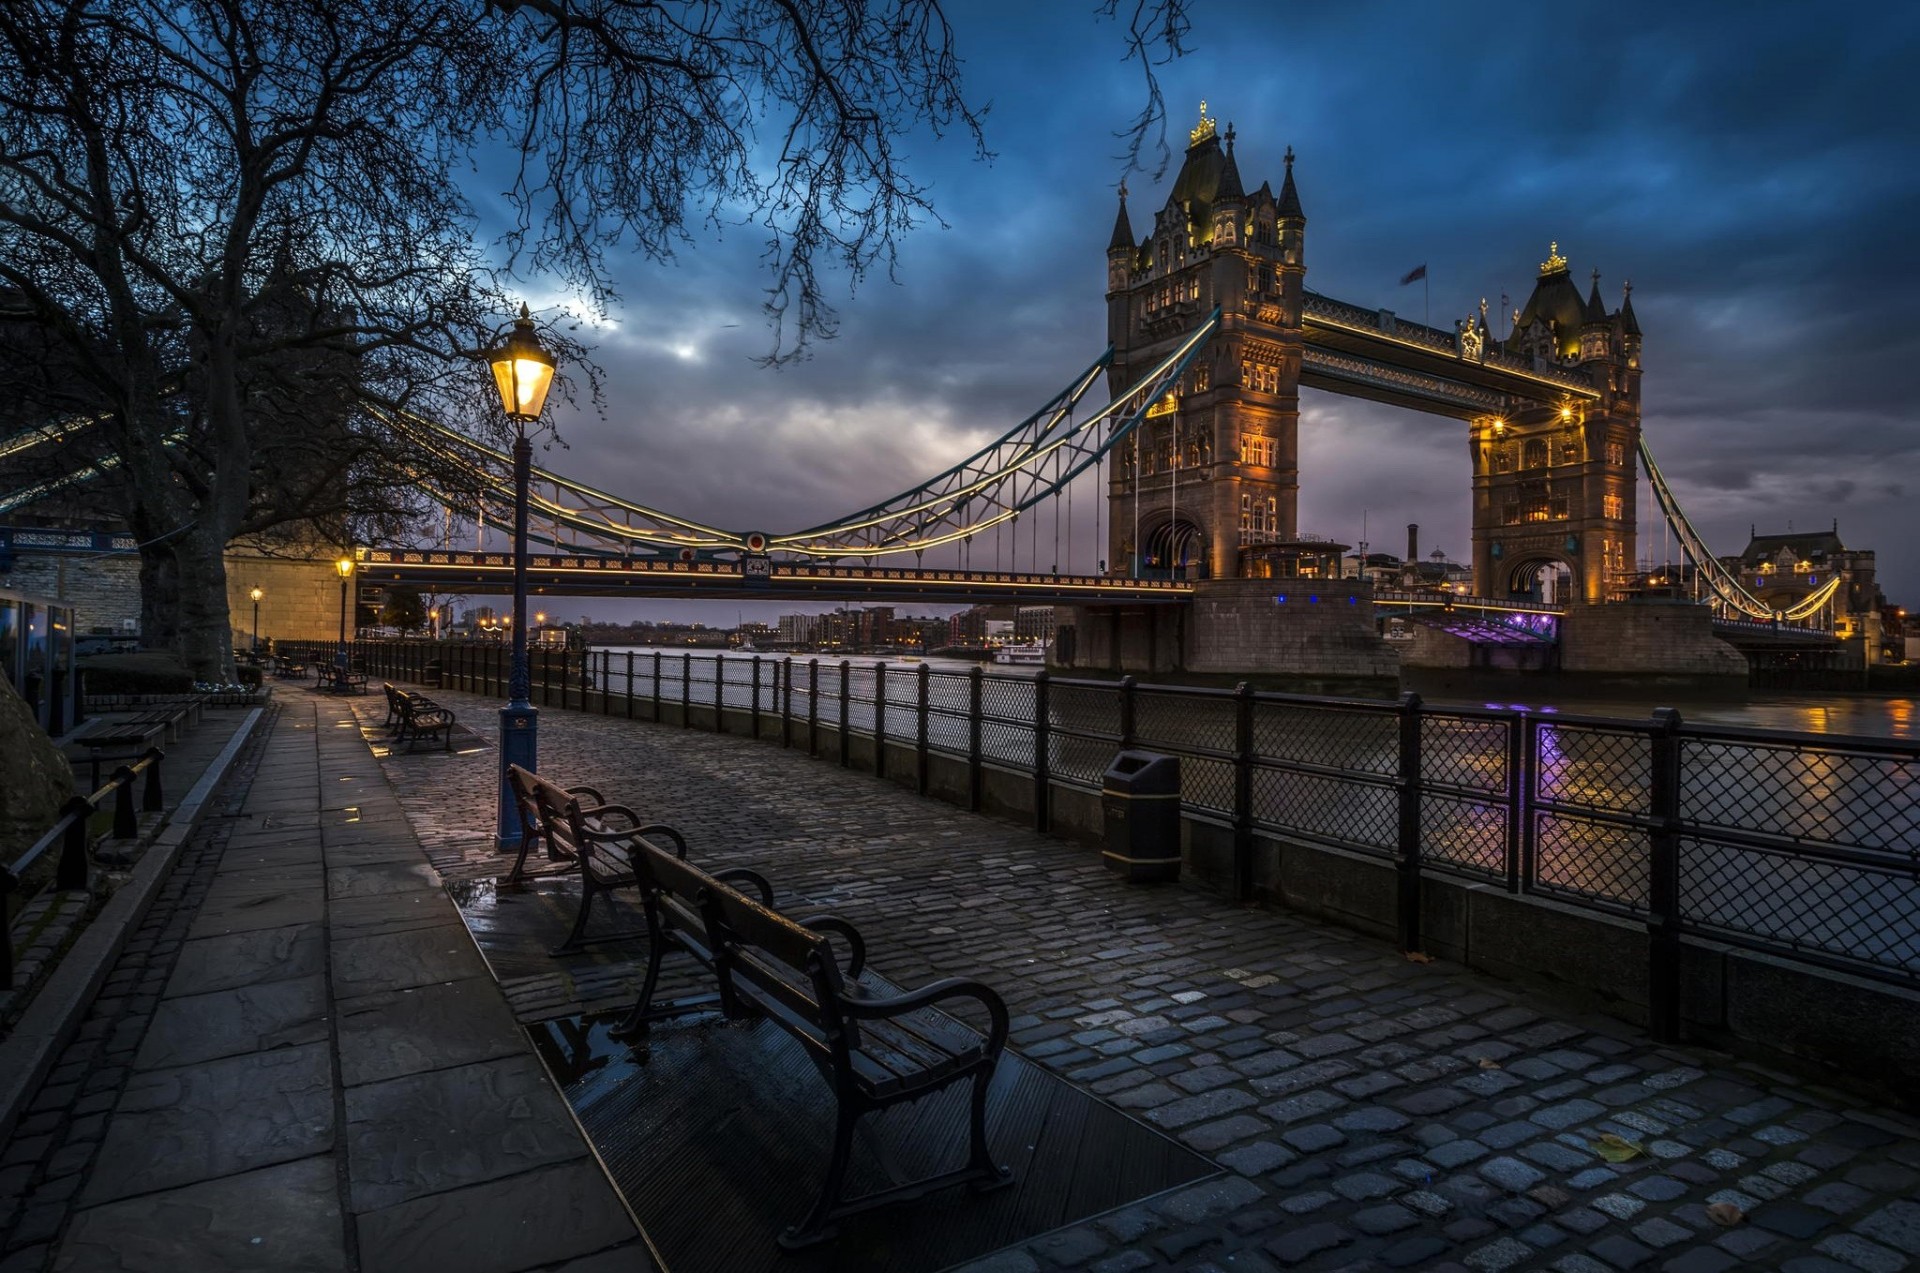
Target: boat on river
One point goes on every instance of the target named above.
(1024, 655)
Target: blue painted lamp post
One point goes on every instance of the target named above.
(345, 567)
(523, 371)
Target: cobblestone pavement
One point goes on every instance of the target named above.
(300, 1063)
(1370, 1112)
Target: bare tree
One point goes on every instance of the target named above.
(242, 225)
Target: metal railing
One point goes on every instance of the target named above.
(73, 837)
(1805, 846)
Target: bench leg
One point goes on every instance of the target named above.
(979, 1156)
(816, 1227)
(634, 1026)
(579, 933)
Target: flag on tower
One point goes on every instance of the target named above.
(1415, 274)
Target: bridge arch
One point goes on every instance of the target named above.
(1174, 547)
(1548, 577)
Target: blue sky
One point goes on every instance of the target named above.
(1754, 169)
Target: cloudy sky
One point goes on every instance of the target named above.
(1753, 169)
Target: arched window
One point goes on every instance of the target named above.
(1533, 454)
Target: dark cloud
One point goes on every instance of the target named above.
(1750, 168)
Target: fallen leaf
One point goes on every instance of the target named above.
(1488, 1063)
(1725, 1214)
(1616, 1148)
(1419, 957)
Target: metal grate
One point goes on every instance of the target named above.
(1343, 811)
(1595, 768)
(1852, 912)
(1355, 740)
(1469, 753)
(1467, 835)
(1581, 858)
(1854, 799)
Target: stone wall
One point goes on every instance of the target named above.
(1649, 645)
(302, 598)
(1306, 633)
(103, 591)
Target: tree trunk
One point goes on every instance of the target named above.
(204, 639)
(159, 597)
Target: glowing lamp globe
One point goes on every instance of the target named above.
(344, 566)
(522, 370)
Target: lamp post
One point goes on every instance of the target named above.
(256, 594)
(345, 566)
(523, 372)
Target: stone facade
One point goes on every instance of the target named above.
(103, 591)
(1214, 465)
(1312, 635)
(1649, 645)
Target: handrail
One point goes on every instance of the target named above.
(70, 833)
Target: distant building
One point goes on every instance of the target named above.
(1784, 570)
(1035, 623)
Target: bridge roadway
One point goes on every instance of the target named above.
(598, 575)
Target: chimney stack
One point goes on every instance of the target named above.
(1413, 542)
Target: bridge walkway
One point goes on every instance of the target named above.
(1365, 1107)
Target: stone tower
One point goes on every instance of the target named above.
(1553, 486)
(1214, 468)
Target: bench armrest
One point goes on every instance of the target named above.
(856, 946)
(931, 994)
(600, 812)
(741, 873)
(589, 791)
(679, 841)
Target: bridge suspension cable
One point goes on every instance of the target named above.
(1036, 459)
(1725, 584)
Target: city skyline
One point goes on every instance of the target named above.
(1754, 228)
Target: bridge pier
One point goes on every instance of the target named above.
(1305, 636)
(1648, 646)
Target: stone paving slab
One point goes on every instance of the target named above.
(285, 1218)
(1374, 1112)
(200, 1122)
(302, 1063)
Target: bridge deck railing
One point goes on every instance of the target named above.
(1803, 846)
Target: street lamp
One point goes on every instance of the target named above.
(523, 372)
(345, 566)
(256, 594)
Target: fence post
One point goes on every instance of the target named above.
(846, 696)
(975, 678)
(126, 824)
(925, 676)
(879, 720)
(566, 676)
(1243, 791)
(1408, 859)
(686, 691)
(151, 798)
(813, 705)
(719, 694)
(656, 687)
(1519, 793)
(753, 712)
(784, 696)
(71, 871)
(1042, 773)
(1663, 881)
(1127, 732)
(629, 684)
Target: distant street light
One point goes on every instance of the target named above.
(345, 567)
(523, 372)
(256, 594)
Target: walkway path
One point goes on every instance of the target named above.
(302, 1064)
(1372, 1112)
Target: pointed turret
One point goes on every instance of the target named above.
(1122, 227)
(1628, 323)
(1289, 196)
(1596, 308)
(1230, 187)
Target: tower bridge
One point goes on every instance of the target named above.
(1192, 470)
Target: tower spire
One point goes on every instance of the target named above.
(1289, 205)
(1122, 228)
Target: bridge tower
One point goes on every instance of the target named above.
(1214, 468)
(1553, 486)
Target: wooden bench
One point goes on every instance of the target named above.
(411, 717)
(331, 678)
(594, 836)
(134, 739)
(875, 1052)
(287, 669)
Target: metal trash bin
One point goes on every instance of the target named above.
(430, 674)
(1140, 797)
